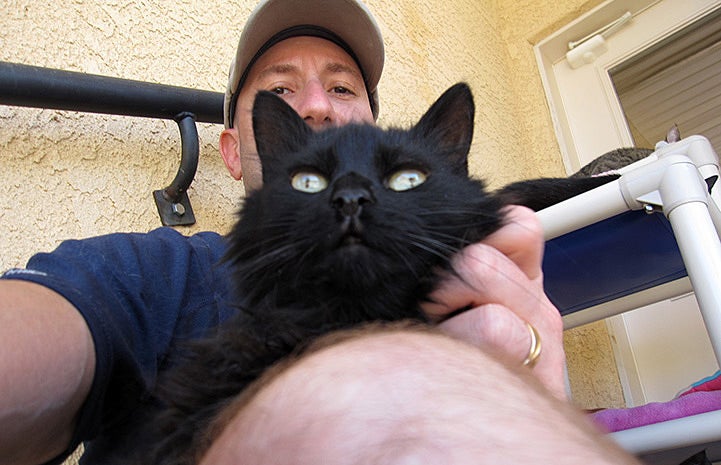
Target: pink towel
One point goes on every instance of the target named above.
(700, 398)
(712, 383)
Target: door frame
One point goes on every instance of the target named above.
(588, 119)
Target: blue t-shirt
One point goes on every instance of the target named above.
(140, 294)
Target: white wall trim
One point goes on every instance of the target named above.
(580, 141)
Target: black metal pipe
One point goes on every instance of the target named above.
(32, 86)
(190, 151)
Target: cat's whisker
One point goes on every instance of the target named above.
(302, 258)
(402, 254)
(270, 259)
(270, 236)
(435, 247)
(449, 240)
(522, 287)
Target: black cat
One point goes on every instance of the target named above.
(350, 226)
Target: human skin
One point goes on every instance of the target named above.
(46, 369)
(402, 395)
(314, 76)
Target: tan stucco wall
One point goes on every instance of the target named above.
(70, 175)
(75, 175)
(592, 370)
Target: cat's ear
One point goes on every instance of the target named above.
(448, 125)
(278, 129)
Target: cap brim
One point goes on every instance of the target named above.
(348, 19)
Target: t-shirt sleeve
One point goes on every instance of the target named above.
(139, 294)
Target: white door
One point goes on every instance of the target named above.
(663, 347)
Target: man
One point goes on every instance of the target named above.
(86, 330)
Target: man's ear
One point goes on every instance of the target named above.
(230, 151)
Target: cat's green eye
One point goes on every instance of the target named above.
(309, 182)
(406, 179)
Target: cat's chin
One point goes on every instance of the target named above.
(351, 241)
(351, 258)
(353, 248)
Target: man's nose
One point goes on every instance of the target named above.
(316, 107)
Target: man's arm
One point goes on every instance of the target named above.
(47, 362)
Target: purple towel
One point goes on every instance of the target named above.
(689, 404)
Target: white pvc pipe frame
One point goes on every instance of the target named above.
(672, 180)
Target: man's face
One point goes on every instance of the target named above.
(315, 77)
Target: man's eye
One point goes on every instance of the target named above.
(309, 182)
(406, 179)
(280, 90)
(341, 90)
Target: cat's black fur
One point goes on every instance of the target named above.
(357, 251)
(541, 193)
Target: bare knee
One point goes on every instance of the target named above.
(398, 395)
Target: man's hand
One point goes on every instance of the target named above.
(500, 281)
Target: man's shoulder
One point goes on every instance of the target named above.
(163, 240)
(200, 240)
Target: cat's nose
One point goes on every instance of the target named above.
(349, 201)
(350, 193)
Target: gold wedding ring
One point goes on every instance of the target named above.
(535, 350)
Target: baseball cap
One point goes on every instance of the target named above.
(348, 23)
